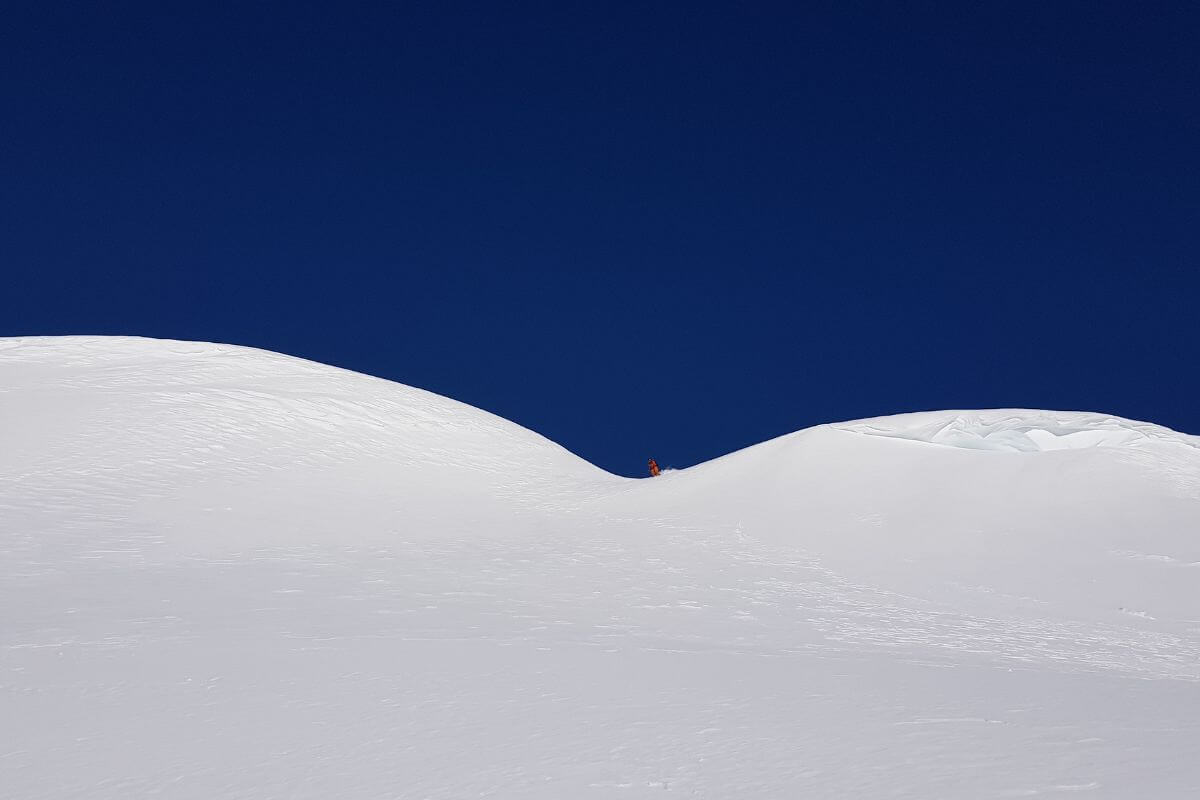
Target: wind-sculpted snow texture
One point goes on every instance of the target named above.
(1017, 430)
(226, 573)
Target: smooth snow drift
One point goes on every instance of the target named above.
(230, 573)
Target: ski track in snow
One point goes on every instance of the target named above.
(227, 573)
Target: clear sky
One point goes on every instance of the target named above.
(667, 230)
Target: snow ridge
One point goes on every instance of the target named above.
(1018, 430)
(230, 573)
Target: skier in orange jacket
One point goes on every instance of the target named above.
(654, 470)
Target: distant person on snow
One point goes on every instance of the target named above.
(654, 470)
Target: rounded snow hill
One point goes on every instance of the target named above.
(212, 436)
(230, 573)
(1006, 510)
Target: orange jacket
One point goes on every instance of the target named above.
(653, 468)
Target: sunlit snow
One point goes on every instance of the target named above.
(230, 573)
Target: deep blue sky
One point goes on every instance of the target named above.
(644, 229)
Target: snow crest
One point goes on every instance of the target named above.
(1017, 430)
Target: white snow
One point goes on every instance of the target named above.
(1018, 430)
(230, 573)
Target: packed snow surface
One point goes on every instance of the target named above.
(230, 573)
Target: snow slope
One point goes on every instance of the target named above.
(230, 573)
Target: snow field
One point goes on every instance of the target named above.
(229, 573)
